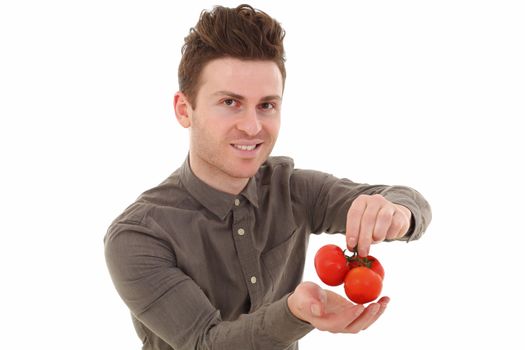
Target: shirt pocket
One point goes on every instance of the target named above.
(283, 266)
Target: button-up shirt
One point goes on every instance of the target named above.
(203, 269)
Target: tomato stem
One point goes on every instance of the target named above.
(355, 257)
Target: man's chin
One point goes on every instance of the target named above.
(244, 174)
(245, 169)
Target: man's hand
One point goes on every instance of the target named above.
(372, 219)
(328, 311)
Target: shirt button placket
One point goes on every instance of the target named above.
(245, 249)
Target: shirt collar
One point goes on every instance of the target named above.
(218, 202)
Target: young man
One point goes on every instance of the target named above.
(213, 257)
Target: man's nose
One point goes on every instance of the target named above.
(249, 122)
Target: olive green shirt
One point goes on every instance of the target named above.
(203, 269)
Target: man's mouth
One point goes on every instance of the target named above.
(246, 147)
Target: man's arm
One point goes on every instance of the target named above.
(328, 201)
(175, 308)
(374, 219)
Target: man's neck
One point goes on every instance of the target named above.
(216, 178)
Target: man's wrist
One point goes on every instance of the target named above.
(292, 309)
(283, 324)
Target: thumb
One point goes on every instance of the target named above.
(318, 305)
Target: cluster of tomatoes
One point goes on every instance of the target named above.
(362, 277)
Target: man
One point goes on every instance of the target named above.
(213, 257)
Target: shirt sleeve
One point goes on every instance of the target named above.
(168, 302)
(328, 199)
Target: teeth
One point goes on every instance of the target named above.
(245, 147)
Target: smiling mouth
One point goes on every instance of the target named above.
(246, 147)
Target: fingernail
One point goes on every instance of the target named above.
(316, 310)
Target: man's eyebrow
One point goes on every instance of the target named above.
(241, 98)
(271, 98)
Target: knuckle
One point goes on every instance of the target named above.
(369, 216)
(378, 235)
(365, 240)
(394, 227)
(384, 216)
(395, 224)
(361, 200)
(378, 198)
(391, 235)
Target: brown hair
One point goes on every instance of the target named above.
(243, 32)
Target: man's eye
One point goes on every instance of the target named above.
(229, 102)
(267, 105)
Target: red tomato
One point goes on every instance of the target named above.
(369, 262)
(331, 264)
(362, 285)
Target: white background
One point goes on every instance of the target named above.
(421, 93)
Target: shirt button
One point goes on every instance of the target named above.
(237, 202)
(240, 232)
(253, 280)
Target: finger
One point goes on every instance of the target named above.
(301, 302)
(398, 227)
(368, 221)
(338, 319)
(383, 223)
(364, 320)
(353, 221)
(317, 308)
(383, 302)
(405, 226)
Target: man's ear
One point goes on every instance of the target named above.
(183, 109)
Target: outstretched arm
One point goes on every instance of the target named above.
(373, 219)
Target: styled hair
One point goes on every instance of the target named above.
(243, 32)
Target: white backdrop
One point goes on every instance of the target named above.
(421, 93)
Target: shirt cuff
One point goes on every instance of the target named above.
(417, 222)
(282, 325)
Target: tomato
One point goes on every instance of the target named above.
(331, 265)
(376, 266)
(369, 262)
(363, 285)
(362, 277)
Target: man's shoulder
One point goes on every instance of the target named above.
(278, 162)
(168, 194)
(276, 165)
(286, 164)
(282, 169)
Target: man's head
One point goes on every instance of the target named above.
(231, 86)
(243, 33)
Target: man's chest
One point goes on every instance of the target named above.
(242, 262)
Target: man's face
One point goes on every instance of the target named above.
(236, 119)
